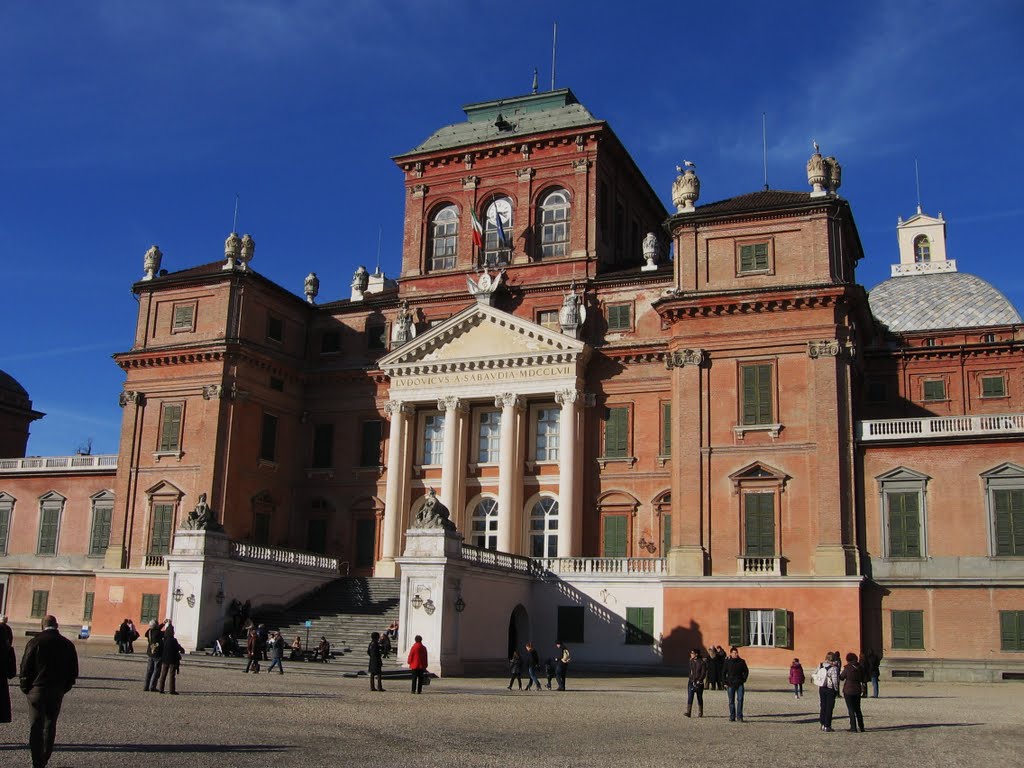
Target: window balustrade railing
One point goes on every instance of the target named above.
(294, 558)
(618, 566)
(99, 462)
(759, 566)
(940, 426)
(155, 561)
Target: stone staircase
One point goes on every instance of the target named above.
(345, 611)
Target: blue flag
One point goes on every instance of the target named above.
(501, 229)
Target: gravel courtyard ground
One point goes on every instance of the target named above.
(225, 718)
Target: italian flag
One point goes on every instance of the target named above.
(478, 231)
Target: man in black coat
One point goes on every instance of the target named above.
(49, 668)
(735, 673)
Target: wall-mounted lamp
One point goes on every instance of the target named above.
(417, 602)
(650, 546)
(460, 605)
(428, 606)
(219, 597)
(191, 600)
(177, 594)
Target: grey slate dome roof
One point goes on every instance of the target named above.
(12, 393)
(943, 300)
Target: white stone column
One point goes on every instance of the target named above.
(451, 472)
(567, 444)
(398, 477)
(510, 472)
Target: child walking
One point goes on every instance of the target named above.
(796, 678)
(515, 669)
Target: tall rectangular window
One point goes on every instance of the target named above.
(666, 533)
(433, 439)
(1011, 630)
(570, 623)
(935, 389)
(904, 523)
(754, 257)
(369, 453)
(150, 609)
(1008, 505)
(323, 445)
(993, 386)
(616, 433)
(639, 626)
(160, 530)
(6, 510)
(759, 524)
(40, 599)
(87, 606)
(261, 529)
(49, 525)
(170, 427)
(757, 393)
(275, 328)
(99, 538)
(616, 541)
(489, 437)
(546, 447)
(619, 317)
(665, 448)
(268, 438)
(376, 336)
(908, 630)
(184, 318)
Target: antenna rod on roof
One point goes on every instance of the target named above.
(917, 180)
(554, 46)
(380, 232)
(764, 146)
(234, 221)
(534, 80)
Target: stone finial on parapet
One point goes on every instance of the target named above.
(247, 251)
(686, 187)
(232, 250)
(151, 262)
(311, 287)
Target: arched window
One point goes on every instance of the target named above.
(922, 249)
(544, 528)
(498, 233)
(554, 224)
(444, 238)
(484, 525)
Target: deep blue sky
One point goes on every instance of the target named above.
(124, 124)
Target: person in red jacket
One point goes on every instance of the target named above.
(418, 664)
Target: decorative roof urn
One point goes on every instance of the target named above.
(232, 250)
(817, 173)
(311, 287)
(686, 188)
(151, 262)
(652, 250)
(248, 249)
(835, 175)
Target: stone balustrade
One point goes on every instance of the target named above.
(50, 464)
(490, 558)
(759, 566)
(939, 427)
(293, 558)
(604, 566)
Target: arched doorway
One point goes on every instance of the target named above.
(518, 630)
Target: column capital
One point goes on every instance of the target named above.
(393, 407)
(567, 396)
(509, 400)
(128, 396)
(823, 348)
(683, 357)
(452, 404)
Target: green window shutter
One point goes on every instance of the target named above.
(370, 453)
(639, 626)
(935, 390)
(1009, 521)
(170, 430)
(160, 533)
(150, 609)
(1011, 630)
(915, 622)
(100, 538)
(616, 433)
(904, 524)
(737, 618)
(49, 523)
(40, 601)
(746, 258)
(666, 429)
(761, 256)
(183, 314)
(759, 520)
(618, 317)
(900, 630)
(783, 627)
(614, 536)
(993, 386)
(90, 600)
(666, 534)
(5, 525)
(757, 394)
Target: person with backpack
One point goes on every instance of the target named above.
(154, 650)
(826, 677)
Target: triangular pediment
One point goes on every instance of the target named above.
(482, 337)
(902, 474)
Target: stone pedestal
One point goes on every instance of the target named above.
(687, 560)
(835, 560)
(430, 581)
(196, 567)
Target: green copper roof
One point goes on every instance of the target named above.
(509, 119)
